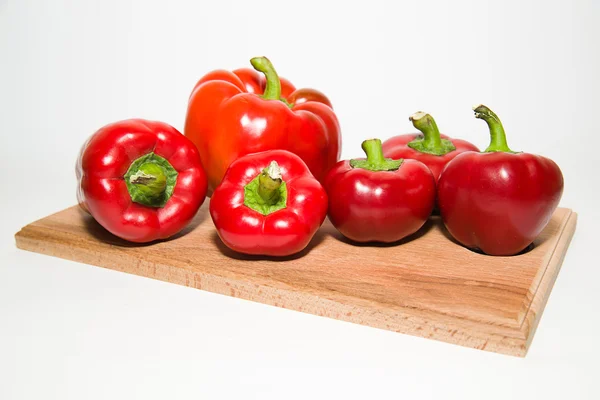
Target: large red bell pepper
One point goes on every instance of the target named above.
(430, 147)
(498, 201)
(229, 116)
(379, 199)
(141, 180)
(268, 204)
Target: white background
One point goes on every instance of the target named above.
(72, 331)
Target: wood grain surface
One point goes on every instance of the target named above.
(426, 286)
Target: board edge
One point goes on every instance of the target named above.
(544, 290)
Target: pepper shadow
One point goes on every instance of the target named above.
(427, 226)
(226, 251)
(100, 233)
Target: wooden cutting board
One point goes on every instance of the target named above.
(427, 286)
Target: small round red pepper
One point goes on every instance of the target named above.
(141, 180)
(498, 201)
(379, 199)
(430, 147)
(268, 203)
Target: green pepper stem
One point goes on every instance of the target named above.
(141, 178)
(267, 192)
(273, 86)
(426, 124)
(269, 182)
(497, 135)
(431, 142)
(375, 160)
(374, 151)
(150, 179)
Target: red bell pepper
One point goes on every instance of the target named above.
(379, 199)
(430, 147)
(268, 203)
(229, 116)
(498, 201)
(141, 180)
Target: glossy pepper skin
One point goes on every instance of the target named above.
(430, 147)
(141, 180)
(498, 201)
(231, 114)
(379, 199)
(268, 204)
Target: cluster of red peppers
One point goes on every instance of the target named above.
(268, 155)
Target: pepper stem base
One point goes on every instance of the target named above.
(267, 192)
(151, 180)
(375, 160)
(445, 146)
